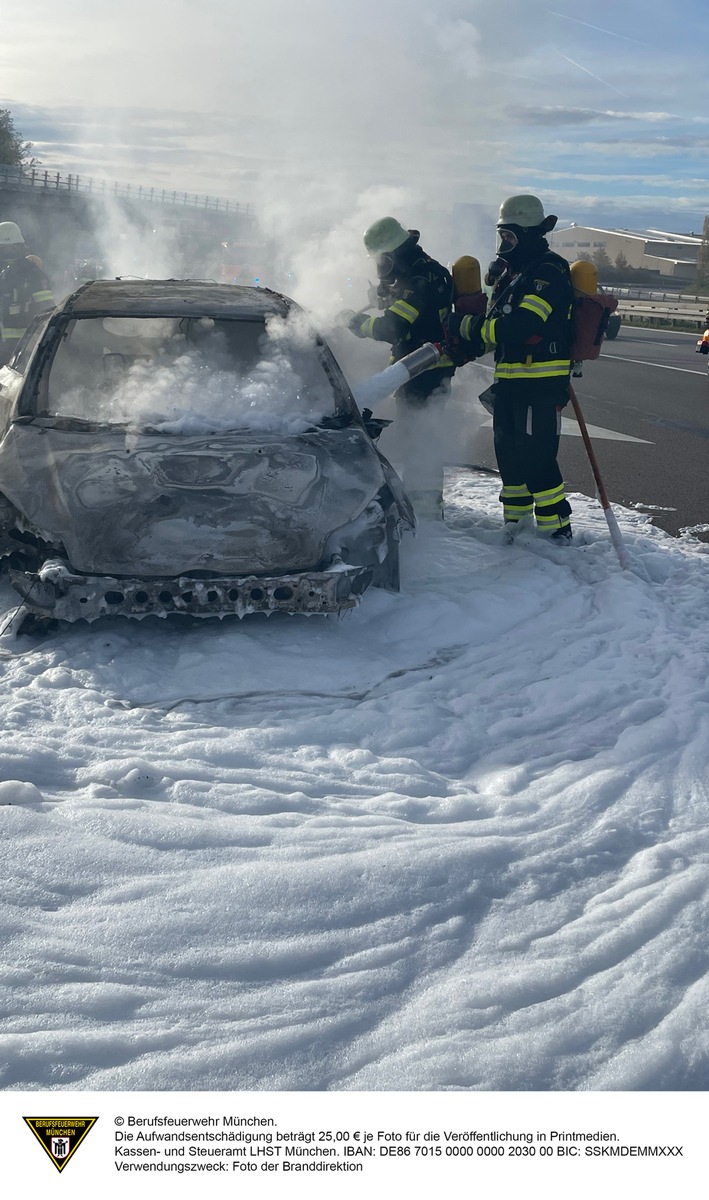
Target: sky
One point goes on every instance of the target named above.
(305, 108)
(456, 840)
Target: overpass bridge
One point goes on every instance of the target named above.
(62, 214)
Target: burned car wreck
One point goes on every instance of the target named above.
(185, 446)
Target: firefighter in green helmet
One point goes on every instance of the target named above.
(528, 327)
(414, 297)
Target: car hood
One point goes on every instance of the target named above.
(126, 503)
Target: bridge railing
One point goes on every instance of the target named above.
(14, 178)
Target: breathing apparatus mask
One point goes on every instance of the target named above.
(386, 267)
(390, 266)
(507, 242)
(517, 244)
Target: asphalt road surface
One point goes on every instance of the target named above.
(646, 404)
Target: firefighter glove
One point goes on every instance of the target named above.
(455, 346)
(497, 268)
(467, 331)
(357, 321)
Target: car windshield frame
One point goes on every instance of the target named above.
(37, 402)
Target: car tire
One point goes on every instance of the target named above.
(35, 625)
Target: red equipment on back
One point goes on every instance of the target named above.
(592, 310)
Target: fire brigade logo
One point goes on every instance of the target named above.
(539, 284)
(60, 1136)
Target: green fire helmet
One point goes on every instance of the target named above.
(385, 236)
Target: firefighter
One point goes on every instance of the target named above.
(25, 289)
(415, 295)
(529, 327)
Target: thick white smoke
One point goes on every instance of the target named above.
(175, 387)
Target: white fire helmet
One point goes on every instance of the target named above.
(10, 234)
(525, 211)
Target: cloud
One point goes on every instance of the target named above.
(461, 44)
(289, 106)
(549, 115)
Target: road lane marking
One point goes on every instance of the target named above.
(644, 363)
(570, 428)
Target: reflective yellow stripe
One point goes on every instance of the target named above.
(487, 331)
(551, 496)
(555, 520)
(41, 296)
(401, 309)
(514, 512)
(516, 501)
(15, 309)
(367, 327)
(541, 370)
(514, 489)
(9, 334)
(541, 308)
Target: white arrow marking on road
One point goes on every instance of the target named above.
(644, 363)
(569, 427)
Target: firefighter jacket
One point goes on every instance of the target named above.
(418, 304)
(529, 323)
(25, 291)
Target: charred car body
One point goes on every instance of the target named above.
(185, 446)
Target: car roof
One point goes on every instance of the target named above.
(174, 298)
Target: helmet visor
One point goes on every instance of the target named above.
(385, 265)
(507, 241)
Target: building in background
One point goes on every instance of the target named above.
(668, 255)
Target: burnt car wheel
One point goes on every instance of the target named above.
(39, 626)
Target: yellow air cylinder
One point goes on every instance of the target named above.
(466, 275)
(584, 277)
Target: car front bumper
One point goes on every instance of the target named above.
(55, 592)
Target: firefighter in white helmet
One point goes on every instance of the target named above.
(528, 326)
(25, 289)
(415, 295)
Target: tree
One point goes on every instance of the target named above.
(600, 258)
(621, 261)
(13, 151)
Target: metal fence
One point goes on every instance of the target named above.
(648, 293)
(20, 178)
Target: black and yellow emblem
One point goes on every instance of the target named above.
(60, 1136)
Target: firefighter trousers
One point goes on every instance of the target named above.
(526, 426)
